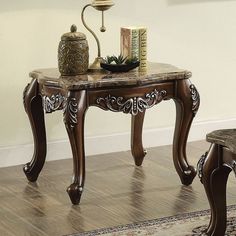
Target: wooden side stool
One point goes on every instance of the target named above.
(213, 169)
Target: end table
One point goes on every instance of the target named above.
(131, 93)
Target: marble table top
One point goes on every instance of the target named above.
(224, 137)
(156, 73)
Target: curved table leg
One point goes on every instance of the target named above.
(74, 115)
(187, 101)
(34, 109)
(214, 178)
(206, 166)
(136, 138)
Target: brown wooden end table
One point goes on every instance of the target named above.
(132, 93)
(214, 168)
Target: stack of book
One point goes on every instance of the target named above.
(134, 44)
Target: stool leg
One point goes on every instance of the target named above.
(214, 179)
(136, 138)
(187, 102)
(74, 115)
(34, 109)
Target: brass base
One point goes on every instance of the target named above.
(95, 66)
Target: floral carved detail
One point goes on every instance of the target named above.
(200, 165)
(53, 103)
(70, 112)
(195, 98)
(132, 105)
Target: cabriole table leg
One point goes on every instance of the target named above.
(214, 176)
(187, 101)
(137, 149)
(34, 109)
(74, 115)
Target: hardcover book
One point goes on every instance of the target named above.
(130, 42)
(134, 44)
(143, 49)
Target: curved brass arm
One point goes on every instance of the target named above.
(86, 26)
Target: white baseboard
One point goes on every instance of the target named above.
(15, 155)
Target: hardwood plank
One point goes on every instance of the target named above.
(116, 192)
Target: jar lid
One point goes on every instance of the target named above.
(73, 35)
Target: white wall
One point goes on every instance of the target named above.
(196, 35)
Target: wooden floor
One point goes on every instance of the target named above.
(116, 192)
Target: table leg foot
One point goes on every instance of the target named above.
(137, 149)
(75, 191)
(30, 175)
(188, 175)
(74, 115)
(34, 109)
(187, 101)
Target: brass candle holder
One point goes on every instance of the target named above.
(100, 5)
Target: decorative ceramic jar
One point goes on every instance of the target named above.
(73, 53)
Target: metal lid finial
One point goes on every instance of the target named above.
(73, 28)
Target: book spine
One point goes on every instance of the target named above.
(134, 51)
(125, 42)
(143, 49)
(130, 43)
